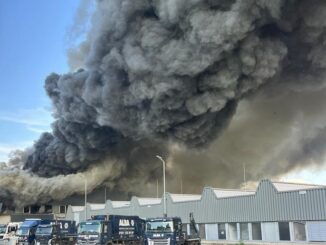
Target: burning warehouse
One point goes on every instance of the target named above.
(207, 84)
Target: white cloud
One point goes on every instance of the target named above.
(36, 120)
(6, 149)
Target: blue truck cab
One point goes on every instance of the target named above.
(56, 232)
(168, 231)
(27, 231)
(111, 229)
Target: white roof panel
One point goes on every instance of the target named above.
(148, 201)
(184, 197)
(286, 186)
(222, 193)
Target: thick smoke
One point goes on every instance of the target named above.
(22, 188)
(158, 73)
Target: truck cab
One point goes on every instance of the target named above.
(3, 229)
(27, 231)
(57, 232)
(168, 231)
(8, 231)
(111, 229)
(164, 231)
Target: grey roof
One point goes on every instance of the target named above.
(271, 201)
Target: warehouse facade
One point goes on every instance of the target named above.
(275, 211)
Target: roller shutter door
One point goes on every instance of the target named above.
(211, 232)
(316, 231)
(270, 231)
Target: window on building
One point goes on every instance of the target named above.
(26, 210)
(284, 230)
(256, 231)
(62, 209)
(48, 209)
(35, 209)
(299, 231)
(221, 231)
(244, 231)
(202, 233)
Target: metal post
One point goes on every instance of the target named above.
(244, 177)
(164, 197)
(105, 195)
(85, 199)
(156, 188)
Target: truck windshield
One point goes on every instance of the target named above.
(44, 230)
(89, 227)
(159, 226)
(3, 229)
(23, 231)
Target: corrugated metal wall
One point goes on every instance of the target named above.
(265, 206)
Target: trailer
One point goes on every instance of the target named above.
(112, 229)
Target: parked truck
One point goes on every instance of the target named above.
(26, 232)
(8, 231)
(168, 231)
(105, 230)
(58, 232)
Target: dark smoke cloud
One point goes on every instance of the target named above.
(172, 72)
(152, 73)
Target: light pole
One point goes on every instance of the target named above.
(85, 199)
(164, 199)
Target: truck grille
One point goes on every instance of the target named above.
(159, 241)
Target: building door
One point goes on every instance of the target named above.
(221, 232)
(211, 232)
(270, 231)
(316, 231)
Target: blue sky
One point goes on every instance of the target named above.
(33, 44)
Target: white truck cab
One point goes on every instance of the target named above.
(8, 231)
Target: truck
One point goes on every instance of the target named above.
(168, 231)
(26, 232)
(61, 232)
(8, 231)
(105, 230)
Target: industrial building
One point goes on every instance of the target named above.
(51, 210)
(274, 212)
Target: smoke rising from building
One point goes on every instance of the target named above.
(166, 76)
